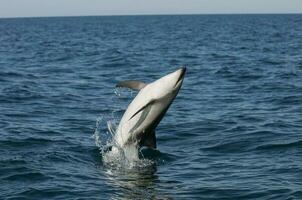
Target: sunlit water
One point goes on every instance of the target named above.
(233, 132)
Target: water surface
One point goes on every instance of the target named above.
(233, 132)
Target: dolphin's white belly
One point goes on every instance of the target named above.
(126, 124)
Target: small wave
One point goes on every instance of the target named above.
(276, 146)
(19, 93)
(3, 124)
(271, 62)
(30, 142)
(223, 56)
(287, 75)
(43, 191)
(26, 142)
(290, 100)
(232, 147)
(16, 161)
(11, 74)
(31, 176)
(224, 71)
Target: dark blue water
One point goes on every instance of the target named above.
(233, 132)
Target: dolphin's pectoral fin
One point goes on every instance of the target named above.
(134, 85)
(149, 140)
(142, 108)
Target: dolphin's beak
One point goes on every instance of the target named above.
(183, 71)
(181, 76)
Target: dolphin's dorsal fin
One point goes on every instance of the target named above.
(149, 140)
(134, 85)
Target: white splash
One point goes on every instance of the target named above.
(112, 154)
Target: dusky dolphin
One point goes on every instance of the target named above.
(137, 126)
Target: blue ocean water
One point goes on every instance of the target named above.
(233, 132)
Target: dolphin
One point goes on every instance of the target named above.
(144, 113)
